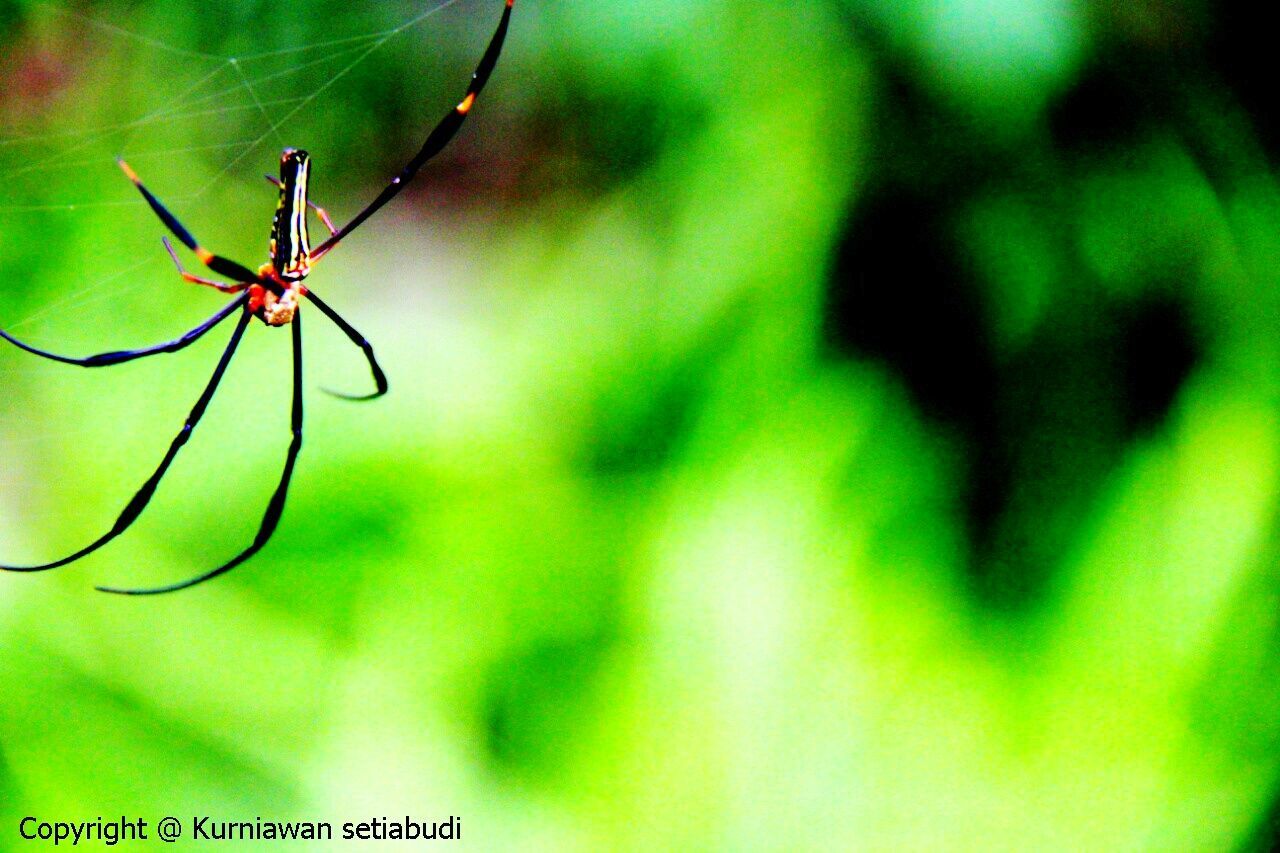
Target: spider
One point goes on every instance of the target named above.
(272, 294)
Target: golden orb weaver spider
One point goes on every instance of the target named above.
(273, 294)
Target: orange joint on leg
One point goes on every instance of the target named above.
(467, 102)
(128, 172)
(257, 295)
(203, 254)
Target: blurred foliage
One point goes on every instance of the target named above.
(814, 426)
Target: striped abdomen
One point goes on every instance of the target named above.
(290, 243)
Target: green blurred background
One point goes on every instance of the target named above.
(845, 425)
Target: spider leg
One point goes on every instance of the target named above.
(143, 496)
(436, 140)
(217, 263)
(320, 211)
(107, 359)
(195, 279)
(274, 509)
(379, 378)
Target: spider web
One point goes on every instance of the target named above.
(80, 250)
(222, 117)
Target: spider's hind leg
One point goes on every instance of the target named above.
(379, 378)
(275, 507)
(106, 359)
(143, 496)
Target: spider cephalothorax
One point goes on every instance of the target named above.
(273, 294)
(276, 308)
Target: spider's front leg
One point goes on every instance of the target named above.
(436, 140)
(217, 263)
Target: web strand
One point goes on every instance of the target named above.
(225, 87)
(365, 54)
(129, 35)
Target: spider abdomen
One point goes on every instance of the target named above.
(290, 242)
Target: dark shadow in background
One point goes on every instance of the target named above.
(1041, 426)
